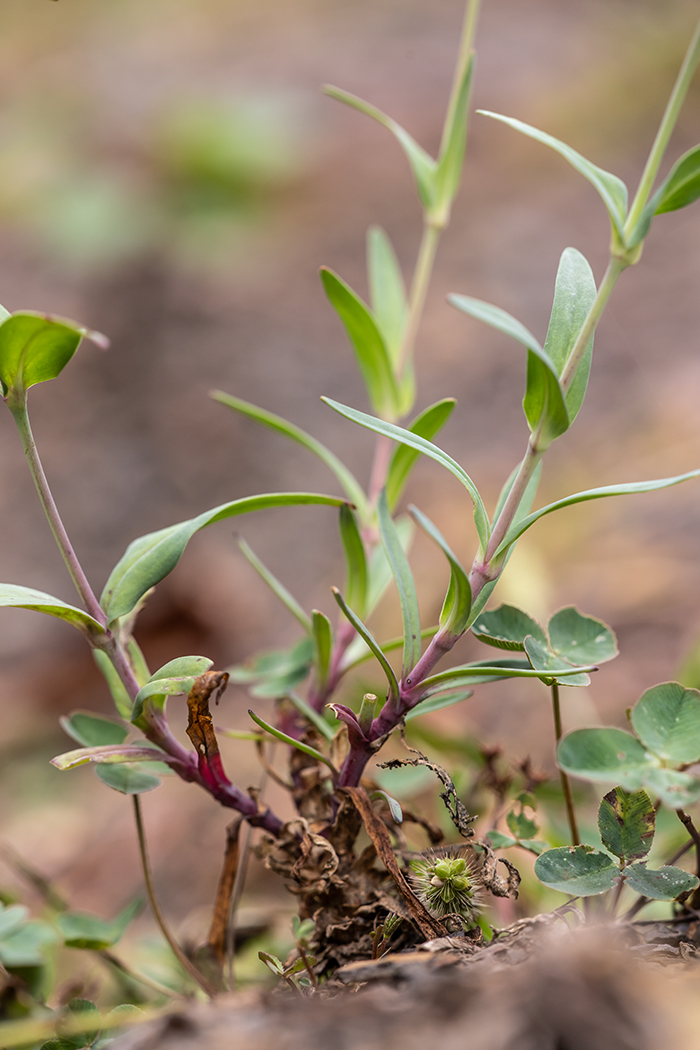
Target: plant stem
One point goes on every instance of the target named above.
(21, 418)
(687, 822)
(187, 966)
(668, 122)
(419, 289)
(566, 786)
(133, 975)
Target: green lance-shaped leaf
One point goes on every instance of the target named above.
(574, 295)
(122, 700)
(579, 870)
(632, 488)
(27, 598)
(451, 156)
(557, 670)
(581, 639)
(426, 425)
(378, 569)
(663, 884)
(275, 585)
(544, 403)
(389, 430)
(371, 644)
(172, 679)
(121, 766)
(279, 735)
(348, 481)
(507, 628)
(355, 561)
(322, 634)
(437, 701)
(309, 713)
(611, 189)
(80, 930)
(276, 672)
(423, 166)
(387, 291)
(370, 349)
(605, 754)
(93, 730)
(454, 616)
(150, 558)
(35, 348)
(626, 821)
(405, 585)
(487, 672)
(681, 186)
(667, 721)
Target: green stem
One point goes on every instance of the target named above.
(668, 122)
(187, 966)
(517, 491)
(21, 418)
(419, 289)
(133, 975)
(615, 268)
(566, 786)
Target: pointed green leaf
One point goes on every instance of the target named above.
(426, 425)
(437, 701)
(507, 628)
(378, 568)
(458, 600)
(348, 481)
(428, 449)
(27, 598)
(387, 291)
(422, 164)
(122, 700)
(582, 497)
(675, 789)
(355, 560)
(574, 294)
(109, 754)
(172, 679)
(150, 558)
(275, 585)
(611, 189)
(544, 403)
(405, 585)
(322, 634)
(279, 735)
(667, 721)
(498, 840)
(543, 659)
(35, 348)
(93, 730)
(605, 754)
(663, 884)
(370, 349)
(626, 821)
(579, 870)
(581, 639)
(276, 672)
(681, 186)
(127, 780)
(451, 157)
(80, 930)
(370, 643)
(487, 672)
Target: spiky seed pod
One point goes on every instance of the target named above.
(448, 882)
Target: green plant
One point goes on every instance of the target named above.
(331, 742)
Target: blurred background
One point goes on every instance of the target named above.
(171, 175)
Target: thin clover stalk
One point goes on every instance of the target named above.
(187, 966)
(565, 782)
